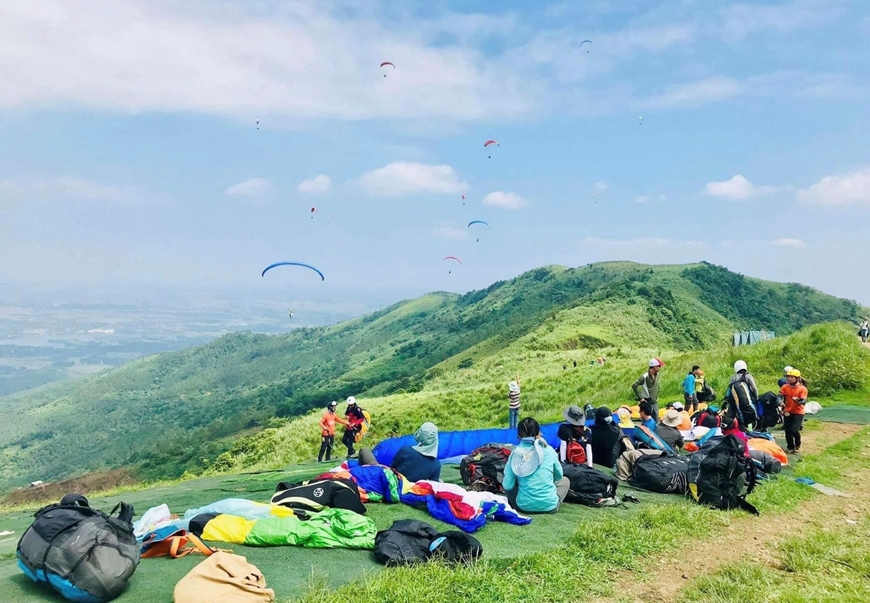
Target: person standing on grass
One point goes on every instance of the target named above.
(794, 394)
(354, 420)
(327, 431)
(646, 388)
(690, 388)
(514, 401)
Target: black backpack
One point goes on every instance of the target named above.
(721, 476)
(314, 495)
(663, 474)
(768, 405)
(84, 554)
(410, 541)
(740, 405)
(483, 469)
(589, 486)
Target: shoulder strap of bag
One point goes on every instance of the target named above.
(178, 547)
(125, 512)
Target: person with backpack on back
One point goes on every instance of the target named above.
(514, 402)
(741, 397)
(354, 420)
(646, 388)
(794, 394)
(533, 477)
(690, 388)
(327, 431)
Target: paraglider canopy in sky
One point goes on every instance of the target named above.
(300, 264)
(586, 42)
(454, 258)
(470, 224)
(387, 64)
(489, 143)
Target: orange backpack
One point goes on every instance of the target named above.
(175, 545)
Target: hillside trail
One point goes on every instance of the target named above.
(751, 538)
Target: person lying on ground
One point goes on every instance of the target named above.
(668, 432)
(416, 463)
(533, 477)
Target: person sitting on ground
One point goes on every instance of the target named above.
(794, 394)
(607, 440)
(668, 431)
(709, 417)
(533, 477)
(416, 462)
(354, 419)
(327, 431)
(646, 416)
(573, 433)
(685, 418)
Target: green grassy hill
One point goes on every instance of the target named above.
(178, 411)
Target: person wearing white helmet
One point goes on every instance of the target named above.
(646, 388)
(741, 373)
(355, 418)
(784, 379)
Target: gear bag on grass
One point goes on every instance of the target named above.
(721, 476)
(226, 578)
(82, 553)
(410, 541)
(663, 474)
(644, 435)
(624, 466)
(483, 469)
(172, 542)
(316, 494)
(589, 486)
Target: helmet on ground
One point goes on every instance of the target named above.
(740, 365)
(793, 373)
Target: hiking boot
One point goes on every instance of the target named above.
(790, 450)
(796, 451)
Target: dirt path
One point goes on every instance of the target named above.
(748, 537)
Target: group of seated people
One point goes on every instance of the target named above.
(534, 481)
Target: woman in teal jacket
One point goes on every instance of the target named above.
(533, 477)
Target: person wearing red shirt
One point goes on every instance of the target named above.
(794, 395)
(355, 418)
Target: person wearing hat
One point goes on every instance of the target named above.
(685, 417)
(574, 432)
(784, 379)
(327, 431)
(533, 477)
(607, 441)
(514, 402)
(668, 431)
(690, 388)
(416, 462)
(646, 388)
(741, 373)
(354, 418)
(794, 395)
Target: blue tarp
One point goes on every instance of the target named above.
(460, 443)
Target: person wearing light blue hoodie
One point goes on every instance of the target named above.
(533, 477)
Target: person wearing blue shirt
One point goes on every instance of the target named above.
(533, 477)
(689, 388)
(646, 418)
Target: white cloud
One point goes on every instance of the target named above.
(741, 20)
(845, 189)
(253, 187)
(601, 185)
(505, 200)
(639, 243)
(318, 184)
(796, 243)
(292, 60)
(694, 94)
(404, 178)
(71, 188)
(738, 188)
(451, 233)
(641, 199)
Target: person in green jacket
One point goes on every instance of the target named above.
(646, 388)
(533, 477)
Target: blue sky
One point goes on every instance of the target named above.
(130, 152)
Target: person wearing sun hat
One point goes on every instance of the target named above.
(573, 431)
(624, 415)
(646, 388)
(667, 429)
(533, 477)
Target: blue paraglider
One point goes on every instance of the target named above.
(276, 264)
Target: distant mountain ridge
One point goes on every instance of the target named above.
(176, 411)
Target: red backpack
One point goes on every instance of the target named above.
(575, 453)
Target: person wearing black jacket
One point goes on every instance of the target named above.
(607, 439)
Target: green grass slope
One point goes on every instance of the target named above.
(178, 411)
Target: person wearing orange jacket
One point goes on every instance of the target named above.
(327, 431)
(794, 395)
